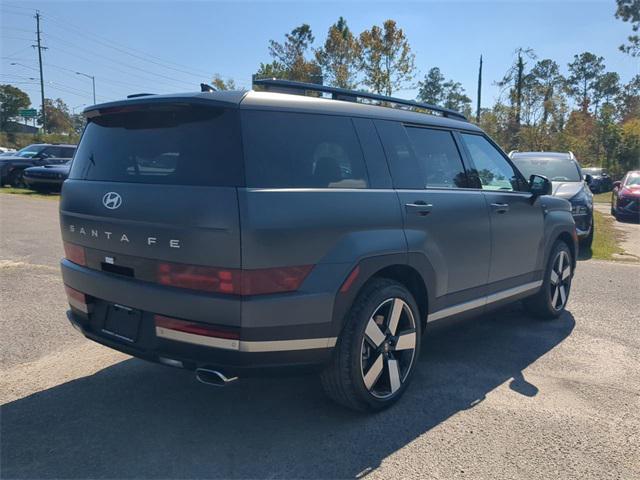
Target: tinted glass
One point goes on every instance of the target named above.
(493, 171)
(294, 150)
(555, 169)
(438, 158)
(179, 145)
(403, 164)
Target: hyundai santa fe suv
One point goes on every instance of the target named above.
(239, 233)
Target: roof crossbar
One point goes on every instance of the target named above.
(289, 86)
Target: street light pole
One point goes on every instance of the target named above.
(93, 82)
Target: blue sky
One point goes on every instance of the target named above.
(170, 46)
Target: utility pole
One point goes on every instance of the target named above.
(479, 91)
(93, 80)
(40, 48)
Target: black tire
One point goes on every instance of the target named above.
(552, 298)
(586, 242)
(344, 380)
(16, 179)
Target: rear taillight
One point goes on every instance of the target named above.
(77, 299)
(233, 281)
(75, 253)
(207, 279)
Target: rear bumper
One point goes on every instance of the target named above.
(276, 332)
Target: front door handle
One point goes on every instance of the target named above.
(500, 207)
(418, 208)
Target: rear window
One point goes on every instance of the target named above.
(295, 150)
(178, 145)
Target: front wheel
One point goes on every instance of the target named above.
(552, 298)
(376, 353)
(16, 179)
(586, 242)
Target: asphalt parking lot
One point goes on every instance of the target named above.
(502, 396)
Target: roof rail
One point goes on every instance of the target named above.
(512, 152)
(289, 86)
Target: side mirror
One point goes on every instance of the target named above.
(588, 178)
(539, 185)
(617, 184)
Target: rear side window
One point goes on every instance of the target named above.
(296, 150)
(438, 158)
(168, 144)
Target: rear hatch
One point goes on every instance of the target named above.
(154, 185)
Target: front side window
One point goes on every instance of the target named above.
(438, 158)
(491, 168)
(296, 150)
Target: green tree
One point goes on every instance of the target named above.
(584, 72)
(290, 60)
(605, 89)
(629, 11)
(549, 83)
(58, 116)
(339, 58)
(11, 100)
(220, 83)
(431, 89)
(629, 148)
(455, 97)
(628, 100)
(387, 61)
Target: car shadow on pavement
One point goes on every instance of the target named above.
(140, 420)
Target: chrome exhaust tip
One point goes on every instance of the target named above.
(213, 377)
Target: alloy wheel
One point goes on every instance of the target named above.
(388, 348)
(560, 281)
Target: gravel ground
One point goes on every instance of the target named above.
(630, 231)
(501, 396)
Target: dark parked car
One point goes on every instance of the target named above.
(565, 174)
(39, 154)
(46, 178)
(625, 199)
(599, 180)
(234, 233)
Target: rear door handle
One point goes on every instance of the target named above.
(418, 208)
(500, 207)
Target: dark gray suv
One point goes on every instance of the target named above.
(238, 233)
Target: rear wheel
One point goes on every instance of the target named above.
(376, 353)
(552, 298)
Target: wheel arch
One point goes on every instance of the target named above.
(414, 274)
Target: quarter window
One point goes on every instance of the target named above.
(491, 168)
(294, 150)
(438, 158)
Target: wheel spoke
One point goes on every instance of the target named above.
(554, 298)
(560, 261)
(406, 341)
(394, 317)
(374, 372)
(554, 277)
(563, 295)
(566, 272)
(373, 333)
(394, 375)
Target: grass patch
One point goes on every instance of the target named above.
(29, 193)
(604, 197)
(606, 240)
